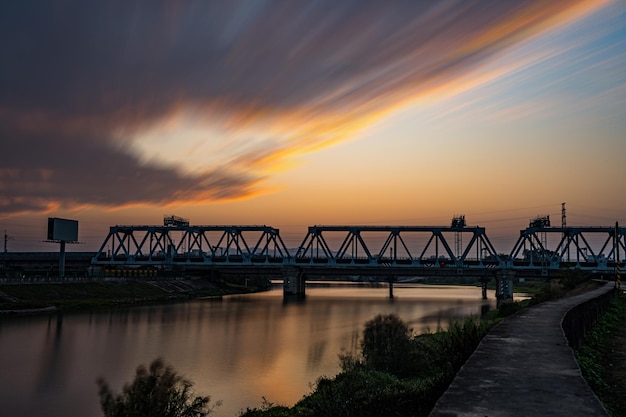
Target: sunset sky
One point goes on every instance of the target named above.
(294, 113)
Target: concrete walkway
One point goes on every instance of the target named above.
(524, 367)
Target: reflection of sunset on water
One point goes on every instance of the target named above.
(238, 350)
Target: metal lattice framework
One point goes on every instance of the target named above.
(149, 245)
(573, 250)
(398, 246)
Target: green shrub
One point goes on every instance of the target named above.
(386, 344)
(508, 308)
(157, 392)
(364, 392)
(594, 357)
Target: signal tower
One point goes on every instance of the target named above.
(541, 222)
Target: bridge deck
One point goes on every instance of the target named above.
(524, 367)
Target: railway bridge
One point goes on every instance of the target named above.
(384, 252)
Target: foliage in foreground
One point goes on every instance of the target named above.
(386, 345)
(394, 374)
(594, 357)
(156, 392)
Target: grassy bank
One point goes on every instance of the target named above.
(531, 287)
(98, 295)
(602, 358)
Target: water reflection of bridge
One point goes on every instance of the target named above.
(377, 251)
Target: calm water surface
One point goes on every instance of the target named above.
(236, 350)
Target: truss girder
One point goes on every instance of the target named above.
(206, 244)
(396, 246)
(573, 249)
(354, 249)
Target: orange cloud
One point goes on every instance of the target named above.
(272, 82)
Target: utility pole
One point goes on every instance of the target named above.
(564, 225)
(618, 276)
(6, 239)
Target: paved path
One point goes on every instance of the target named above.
(524, 367)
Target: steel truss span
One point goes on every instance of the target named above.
(184, 244)
(397, 246)
(366, 247)
(587, 248)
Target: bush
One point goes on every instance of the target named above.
(386, 344)
(363, 393)
(564, 283)
(508, 308)
(157, 392)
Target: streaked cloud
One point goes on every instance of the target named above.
(131, 103)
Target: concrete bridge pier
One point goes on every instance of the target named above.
(504, 285)
(484, 281)
(293, 282)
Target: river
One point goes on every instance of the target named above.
(237, 350)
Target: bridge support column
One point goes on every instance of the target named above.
(484, 281)
(390, 286)
(504, 285)
(293, 282)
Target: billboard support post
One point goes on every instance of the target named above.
(62, 260)
(62, 231)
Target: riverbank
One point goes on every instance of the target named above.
(46, 298)
(76, 295)
(200, 337)
(529, 287)
(236, 350)
(359, 390)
